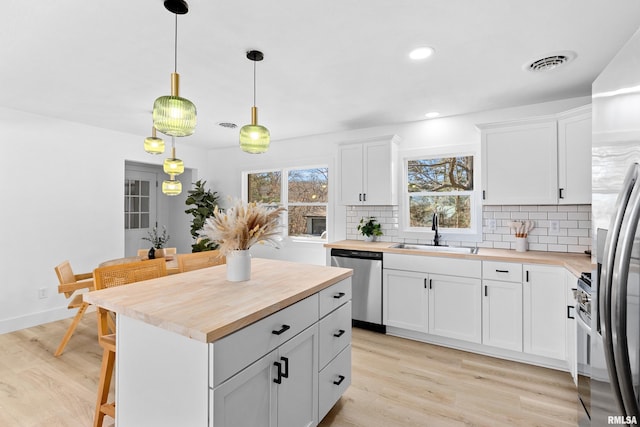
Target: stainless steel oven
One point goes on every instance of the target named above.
(583, 320)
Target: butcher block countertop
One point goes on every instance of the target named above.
(575, 263)
(203, 305)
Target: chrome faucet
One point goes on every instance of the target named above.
(434, 227)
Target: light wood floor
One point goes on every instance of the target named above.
(396, 382)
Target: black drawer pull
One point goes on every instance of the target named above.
(339, 295)
(569, 316)
(285, 371)
(282, 330)
(502, 271)
(339, 380)
(339, 333)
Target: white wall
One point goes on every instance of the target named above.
(229, 163)
(63, 196)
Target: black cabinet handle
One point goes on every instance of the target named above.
(339, 380)
(501, 271)
(339, 333)
(281, 330)
(339, 295)
(278, 380)
(360, 197)
(364, 197)
(285, 371)
(560, 196)
(425, 283)
(430, 284)
(485, 290)
(569, 316)
(483, 195)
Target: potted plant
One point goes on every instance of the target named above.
(204, 202)
(240, 227)
(157, 242)
(370, 228)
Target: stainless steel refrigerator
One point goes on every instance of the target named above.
(615, 328)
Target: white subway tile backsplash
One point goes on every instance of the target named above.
(574, 234)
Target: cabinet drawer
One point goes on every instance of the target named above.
(433, 264)
(333, 381)
(503, 271)
(334, 296)
(238, 350)
(335, 333)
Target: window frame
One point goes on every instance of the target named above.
(284, 199)
(474, 233)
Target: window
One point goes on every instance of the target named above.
(305, 195)
(444, 185)
(136, 204)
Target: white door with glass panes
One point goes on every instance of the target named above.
(140, 209)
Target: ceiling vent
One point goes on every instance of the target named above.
(550, 62)
(228, 125)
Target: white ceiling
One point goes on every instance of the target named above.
(330, 65)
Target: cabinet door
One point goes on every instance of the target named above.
(248, 399)
(572, 327)
(574, 159)
(502, 314)
(544, 311)
(405, 300)
(298, 391)
(379, 183)
(455, 307)
(520, 163)
(351, 174)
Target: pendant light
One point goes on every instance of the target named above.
(174, 115)
(254, 138)
(153, 144)
(171, 187)
(173, 165)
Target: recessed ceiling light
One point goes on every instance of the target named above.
(432, 115)
(421, 53)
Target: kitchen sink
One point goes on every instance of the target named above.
(441, 248)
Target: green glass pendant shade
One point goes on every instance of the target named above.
(172, 187)
(254, 139)
(173, 166)
(174, 116)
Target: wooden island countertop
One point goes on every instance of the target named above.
(204, 306)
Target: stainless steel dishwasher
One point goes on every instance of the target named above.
(366, 283)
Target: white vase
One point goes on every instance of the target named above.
(238, 266)
(371, 238)
(521, 244)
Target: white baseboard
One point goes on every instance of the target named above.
(35, 319)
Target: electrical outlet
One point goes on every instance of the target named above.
(554, 227)
(491, 225)
(42, 293)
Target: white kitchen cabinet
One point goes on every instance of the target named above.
(502, 314)
(544, 311)
(502, 305)
(572, 327)
(455, 307)
(280, 389)
(520, 162)
(368, 172)
(405, 300)
(574, 156)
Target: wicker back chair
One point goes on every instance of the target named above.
(109, 277)
(198, 260)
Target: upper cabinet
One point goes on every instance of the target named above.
(368, 172)
(540, 161)
(574, 157)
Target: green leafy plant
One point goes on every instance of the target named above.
(157, 241)
(369, 227)
(204, 203)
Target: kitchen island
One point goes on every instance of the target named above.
(194, 349)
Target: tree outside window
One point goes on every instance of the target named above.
(443, 185)
(305, 195)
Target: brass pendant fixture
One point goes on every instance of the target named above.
(172, 167)
(174, 115)
(153, 144)
(254, 138)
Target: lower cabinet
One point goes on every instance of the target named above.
(455, 307)
(405, 300)
(572, 327)
(280, 389)
(544, 311)
(502, 314)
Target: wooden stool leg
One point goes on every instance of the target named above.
(106, 372)
(71, 329)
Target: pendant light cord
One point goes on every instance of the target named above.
(175, 47)
(254, 83)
